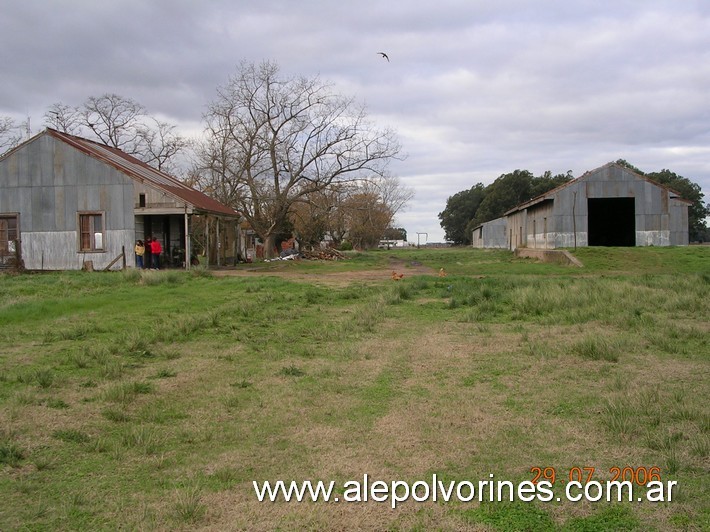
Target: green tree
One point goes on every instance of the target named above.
(395, 233)
(698, 210)
(547, 182)
(460, 209)
(504, 194)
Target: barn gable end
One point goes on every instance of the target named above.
(609, 206)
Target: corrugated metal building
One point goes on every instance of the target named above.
(65, 200)
(609, 206)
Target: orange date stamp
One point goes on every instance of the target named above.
(584, 475)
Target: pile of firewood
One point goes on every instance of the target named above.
(323, 254)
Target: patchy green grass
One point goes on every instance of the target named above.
(153, 401)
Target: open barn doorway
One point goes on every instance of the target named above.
(612, 221)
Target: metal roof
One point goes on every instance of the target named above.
(141, 171)
(546, 196)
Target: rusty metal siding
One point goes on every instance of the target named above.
(491, 234)
(49, 182)
(539, 224)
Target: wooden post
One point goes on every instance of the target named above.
(219, 244)
(123, 254)
(574, 218)
(188, 251)
(207, 241)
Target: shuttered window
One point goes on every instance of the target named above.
(8, 233)
(91, 231)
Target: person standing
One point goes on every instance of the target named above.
(140, 251)
(156, 249)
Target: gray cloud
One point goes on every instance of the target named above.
(475, 89)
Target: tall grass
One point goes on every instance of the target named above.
(270, 378)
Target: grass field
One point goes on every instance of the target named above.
(153, 400)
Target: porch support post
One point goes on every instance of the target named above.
(237, 242)
(207, 240)
(188, 251)
(219, 245)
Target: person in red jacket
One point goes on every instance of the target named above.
(156, 249)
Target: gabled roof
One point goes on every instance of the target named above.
(144, 173)
(547, 196)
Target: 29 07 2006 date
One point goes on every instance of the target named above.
(584, 475)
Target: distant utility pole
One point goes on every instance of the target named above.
(426, 236)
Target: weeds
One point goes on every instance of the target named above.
(71, 436)
(596, 348)
(142, 437)
(115, 415)
(126, 392)
(10, 453)
(189, 507)
(618, 416)
(292, 371)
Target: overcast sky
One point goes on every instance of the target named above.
(474, 88)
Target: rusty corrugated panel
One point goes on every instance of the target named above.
(137, 169)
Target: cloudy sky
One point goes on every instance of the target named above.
(474, 88)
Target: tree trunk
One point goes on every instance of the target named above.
(270, 247)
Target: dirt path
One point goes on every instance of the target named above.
(282, 269)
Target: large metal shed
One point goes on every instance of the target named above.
(66, 200)
(609, 206)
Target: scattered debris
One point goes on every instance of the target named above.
(442, 272)
(319, 254)
(323, 254)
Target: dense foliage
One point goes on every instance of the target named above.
(466, 209)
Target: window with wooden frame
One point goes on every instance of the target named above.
(8, 233)
(91, 231)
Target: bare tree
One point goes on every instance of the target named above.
(271, 141)
(369, 208)
(160, 144)
(311, 217)
(64, 118)
(367, 218)
(115, 120)
(121, 123)
(392, 193)
(10, 133)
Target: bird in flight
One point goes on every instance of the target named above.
(384, 55)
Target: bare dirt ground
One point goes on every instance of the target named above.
(285, 270)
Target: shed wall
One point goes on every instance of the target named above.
(49, 182)
(491, 235)
(561, 218)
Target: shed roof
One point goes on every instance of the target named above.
(138, 170)
(550, 193)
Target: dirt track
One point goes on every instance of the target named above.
(284, 270)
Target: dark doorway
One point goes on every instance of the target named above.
(612, 221)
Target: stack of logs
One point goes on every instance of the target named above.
(323, 254)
